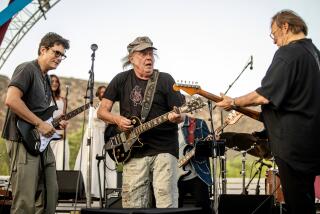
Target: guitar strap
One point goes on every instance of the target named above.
(49, 84)
(148, 95)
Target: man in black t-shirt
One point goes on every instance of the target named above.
(34, 179)
(289, 95)
(156, 161)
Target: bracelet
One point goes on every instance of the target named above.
(233, 103)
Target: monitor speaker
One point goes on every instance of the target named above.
(258, 204)
(67, 182)
(194, 210)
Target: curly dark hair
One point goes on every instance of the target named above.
(51, 39)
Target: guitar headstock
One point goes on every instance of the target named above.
(233, 117)
(189, 87)
(192, 105)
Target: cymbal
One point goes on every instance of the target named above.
(245, 141)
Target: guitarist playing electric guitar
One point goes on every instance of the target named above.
(28, 99)
(156, 161)
(198, 179)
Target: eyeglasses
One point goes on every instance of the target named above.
(272, 33)
(58, 54)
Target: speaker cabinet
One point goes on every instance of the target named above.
(67, 182)
(259, 204)
(143, 211)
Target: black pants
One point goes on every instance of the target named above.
(298, 189)
(199, 190)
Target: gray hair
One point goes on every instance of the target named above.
(126, 60)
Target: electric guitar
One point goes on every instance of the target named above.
(231, 119)
(195, 89)
(33, 141)
(119, 144)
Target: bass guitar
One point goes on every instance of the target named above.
(192, 89)
(33, 141)
(119, 144)
(231, 119)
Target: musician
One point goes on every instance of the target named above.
(289, 95)
(59, 147)
(34, 184)
(98, 127)
(196, 177)
(156, 161)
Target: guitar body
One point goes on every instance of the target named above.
(33, 141)
(183, 161)
(31, 138)
(119, 144)
(121, 141)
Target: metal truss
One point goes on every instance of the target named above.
(21, 23)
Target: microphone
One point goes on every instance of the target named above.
(94, 47)
(251, 62)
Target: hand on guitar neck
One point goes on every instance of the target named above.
(192, 89)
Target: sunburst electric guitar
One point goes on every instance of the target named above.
(119, 144)
(192, 89)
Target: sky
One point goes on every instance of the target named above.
(205, 41)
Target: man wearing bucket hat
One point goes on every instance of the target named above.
(154, 164)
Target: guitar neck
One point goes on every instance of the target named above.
(186, 157)
(151, 124)
(70, 115)
(246, 111)
(219, 129)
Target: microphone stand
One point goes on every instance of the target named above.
(90, 131)
(245, 67)
(223, 159)
(259, 170)
(65, 130)
(214, 189)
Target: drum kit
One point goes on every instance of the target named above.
(258, 146)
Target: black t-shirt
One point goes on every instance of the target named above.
(129, 90)
(292, 118)
(36, 94)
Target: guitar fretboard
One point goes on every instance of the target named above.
(219, 129)
(70, 115)
(187, 157)
(151, 124)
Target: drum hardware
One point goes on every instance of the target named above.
(243, 169)
(243, 172)
(223, 165)
(273, 186)
(258, 172)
